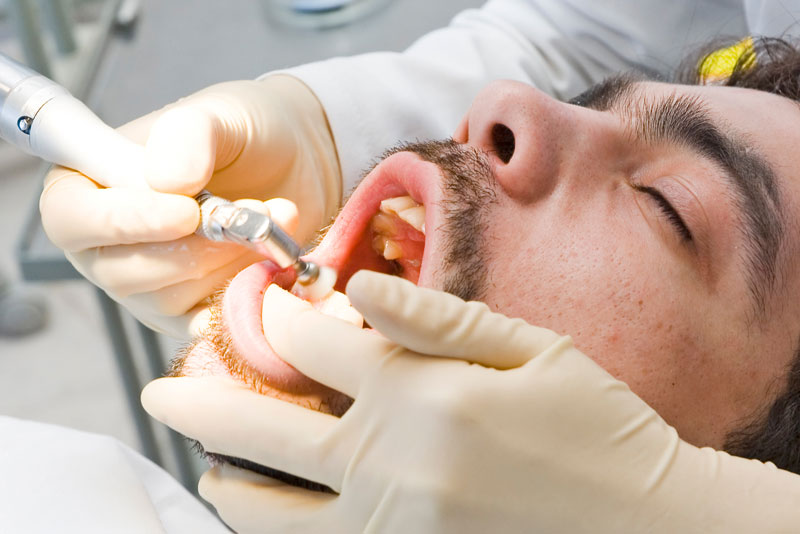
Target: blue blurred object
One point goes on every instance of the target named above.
(319, 14)
(318, 6)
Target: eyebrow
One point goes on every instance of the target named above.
(684, 120)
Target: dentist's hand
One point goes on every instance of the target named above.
(531, 437)
(244, 139)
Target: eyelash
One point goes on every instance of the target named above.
(669, 212)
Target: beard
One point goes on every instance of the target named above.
(218, 336)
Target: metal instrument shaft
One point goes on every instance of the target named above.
(222, 220)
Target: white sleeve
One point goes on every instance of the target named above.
(61, 480)
(373, 101)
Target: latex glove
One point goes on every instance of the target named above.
(243, 139)
(536, 438)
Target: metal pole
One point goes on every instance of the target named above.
(155, 361)
(127, 371)
(55, 14)
(30, 35)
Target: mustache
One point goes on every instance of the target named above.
(469, 191)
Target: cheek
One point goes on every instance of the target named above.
(627, 306)
(576, 277)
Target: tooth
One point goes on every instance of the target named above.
(384, 224)
(379, 243)
(415, 217)
(391, 250)
(397, 204)
(337, 305)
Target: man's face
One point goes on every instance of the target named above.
(650, 223)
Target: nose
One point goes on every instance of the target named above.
(525, 133)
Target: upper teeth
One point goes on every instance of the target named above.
(391, 250)
(415, 217)
(407, 209)
(397, 204)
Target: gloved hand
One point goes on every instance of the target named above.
(244, 139)
(534, 438)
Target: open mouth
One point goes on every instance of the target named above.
(388, 225)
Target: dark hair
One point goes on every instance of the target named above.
(771, 65)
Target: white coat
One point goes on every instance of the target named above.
(56, 480)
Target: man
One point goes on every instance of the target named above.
(651, 221)
(308, 133)
(656, 217)
(145, 292)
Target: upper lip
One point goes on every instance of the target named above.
(403, 173)
(347, 247)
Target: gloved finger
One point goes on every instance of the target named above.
(77, 215)
(181, 150)
(281, 210)
(249, 502)
(191, 140)
(145, 267)
(438, 324)
(338, 354)
(179, 298)
(138, 130)
(182, 327)
(284, 212)
(229, 418)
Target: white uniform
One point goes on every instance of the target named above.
(56, 480)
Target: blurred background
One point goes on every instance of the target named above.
(68, 355)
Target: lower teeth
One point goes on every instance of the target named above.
(388, 248)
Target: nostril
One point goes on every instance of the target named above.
(503, 142)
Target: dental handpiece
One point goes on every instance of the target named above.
(42, 118)
(222, 220)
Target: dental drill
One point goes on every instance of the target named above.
(42, 118)
(222, 220)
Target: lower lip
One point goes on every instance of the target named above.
(243, 300)
(241, 313)
(400, 174)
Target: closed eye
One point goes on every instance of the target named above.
(668, 210)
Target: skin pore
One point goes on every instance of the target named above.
(604, 220)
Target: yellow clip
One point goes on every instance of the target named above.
(719, 65)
